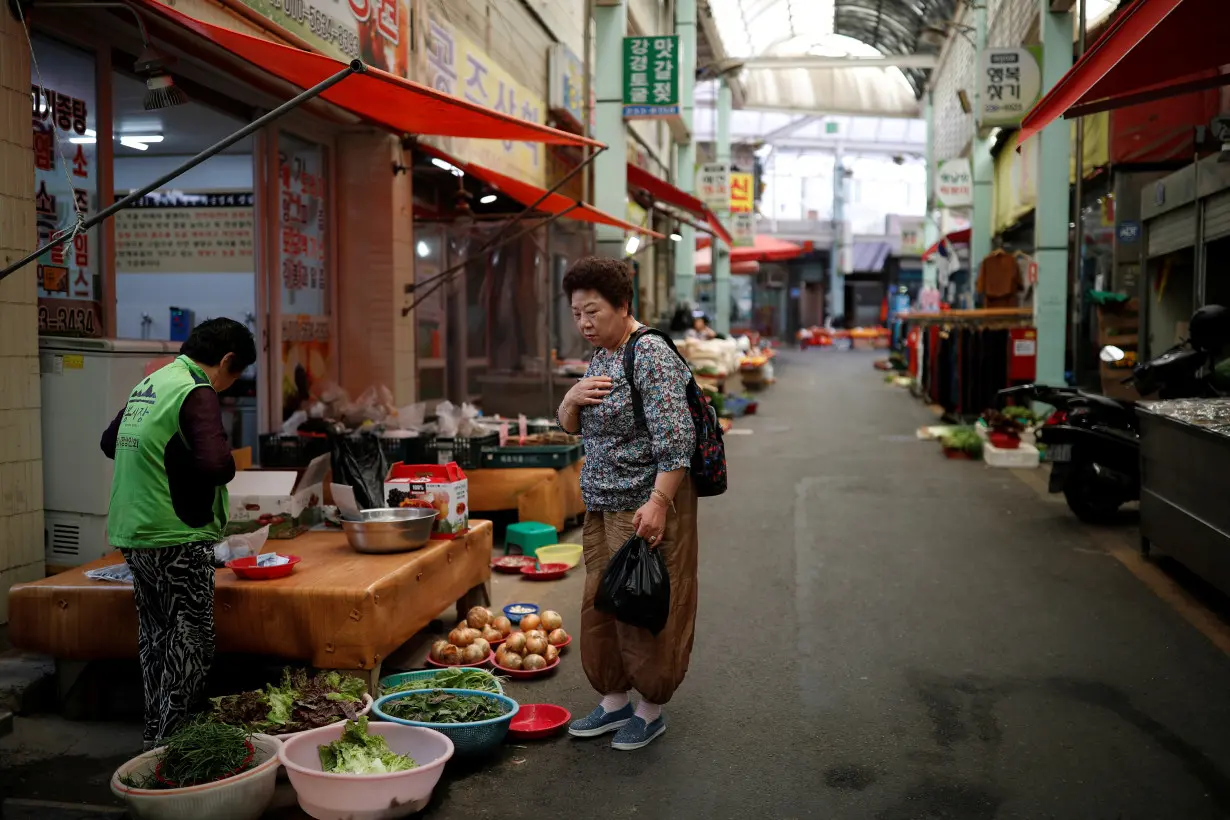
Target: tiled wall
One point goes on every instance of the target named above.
(21, 465)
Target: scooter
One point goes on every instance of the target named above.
(1093, 442)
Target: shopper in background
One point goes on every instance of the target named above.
(700, 329)
(635, 481)
(168, 509)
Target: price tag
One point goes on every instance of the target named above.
(74, 361)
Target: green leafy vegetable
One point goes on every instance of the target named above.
(357, 752)
(298, 703)
(476, 679)
(444, 707)
(202, 752)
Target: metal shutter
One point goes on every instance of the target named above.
(1172, 231)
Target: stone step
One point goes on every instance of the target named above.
(26, 681)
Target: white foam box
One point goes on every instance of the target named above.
(1024, 457)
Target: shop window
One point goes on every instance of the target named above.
(63, 104)
(430, 313)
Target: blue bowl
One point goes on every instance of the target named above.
(516, 617)
(479, 737)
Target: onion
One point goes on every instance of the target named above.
(437, 650)
(503, 624)
(516, 642)
(450, 655)
(536, 633)
(482, 644)
(533, 662)
(557, 637)
(530, 622)
(511, 660)
(535, 645)
(460, 637)
(551, 620)
(478, 617)
(552, 654)
(463, 624)
(474, 654)
(475, 634)
(491, 634)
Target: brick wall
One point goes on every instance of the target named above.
(21, 464)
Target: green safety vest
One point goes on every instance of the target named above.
(142, 513)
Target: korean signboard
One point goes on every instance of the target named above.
(743, 229)
(65, 185)
(567, 84)
(713, 185)
(742, 193)
(1011, 82)
(178, 232)
(954, 184)
(456, 66)
(374, 31)
(651, 77)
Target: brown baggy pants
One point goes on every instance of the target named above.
(618, 657)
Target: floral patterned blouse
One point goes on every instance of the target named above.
(622, 458)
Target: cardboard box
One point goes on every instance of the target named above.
(288, 500)
(442, 487)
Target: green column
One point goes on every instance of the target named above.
(1052, 214)
(931, 224)
(611, 166)
(837, 281)
(721, 254)
(685, 153)
(981, 165)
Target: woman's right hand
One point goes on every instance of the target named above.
(587, 391)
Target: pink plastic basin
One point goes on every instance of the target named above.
(366, 797)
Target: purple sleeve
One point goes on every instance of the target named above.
(200, 422)
(111, 434)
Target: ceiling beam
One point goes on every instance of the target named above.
(789, 128)
(850, 146)
(1062, 6)
(811, 61)
(914, 114)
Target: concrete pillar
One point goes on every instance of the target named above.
(837, 284)
(981, 164)
(931, 224)
(685, 153)
(1053, 210)
(611, 166)
(721, 254)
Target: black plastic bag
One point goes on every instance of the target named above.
(636, 588)
(359, 461)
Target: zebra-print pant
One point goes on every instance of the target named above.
(174, 588)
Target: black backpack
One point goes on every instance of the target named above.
(709, 458)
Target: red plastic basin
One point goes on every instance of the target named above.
(247, 569)
(538, 720)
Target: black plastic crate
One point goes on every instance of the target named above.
(409, 450)
(467, 452)
(293, 451)
(554, 456)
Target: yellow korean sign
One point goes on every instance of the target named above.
(455, 65)
(742, 197)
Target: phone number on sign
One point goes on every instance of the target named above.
(80, 321)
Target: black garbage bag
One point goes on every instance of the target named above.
(359, 461)
(636, 588)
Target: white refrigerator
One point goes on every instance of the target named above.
(85, 382)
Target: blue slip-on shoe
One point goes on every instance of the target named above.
(600, 721)
(637, 734)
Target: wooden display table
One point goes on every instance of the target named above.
(339, 609)
(537, 493)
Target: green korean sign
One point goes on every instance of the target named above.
(651, 77)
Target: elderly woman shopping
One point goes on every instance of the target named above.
(635, 481)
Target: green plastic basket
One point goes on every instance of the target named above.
(469, 739)
(554, 456)
(403, 677)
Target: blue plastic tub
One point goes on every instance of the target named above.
(516, 617)
(475, 738)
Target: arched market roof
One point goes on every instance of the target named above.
(762, 31)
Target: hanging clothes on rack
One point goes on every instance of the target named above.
(999, 280)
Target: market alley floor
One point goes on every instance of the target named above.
(884, 634)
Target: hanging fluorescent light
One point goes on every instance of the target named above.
(423, 248)
(676, 237)
(634, 242)
(447, 166)
(139, 142)
(488, 199)
(90, 138)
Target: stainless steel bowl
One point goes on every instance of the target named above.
(391, 529)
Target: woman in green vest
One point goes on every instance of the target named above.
(168, 509)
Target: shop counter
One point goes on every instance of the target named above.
(339, 609)
(540, 494)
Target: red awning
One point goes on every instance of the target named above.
(377, 96)
(1153, 49)
(960, 237)
(528, 194)
(766, 249)
(663, 191)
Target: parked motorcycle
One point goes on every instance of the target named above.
(1093, 442)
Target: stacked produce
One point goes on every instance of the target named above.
(537, 644)
(470, 642)
(357, 752)
(300, 702)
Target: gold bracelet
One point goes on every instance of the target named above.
(669, 501)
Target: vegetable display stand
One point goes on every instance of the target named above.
(552, 456)
(534, 493)
(292, 451)
(339, 610)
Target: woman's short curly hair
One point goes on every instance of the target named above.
(610, 277)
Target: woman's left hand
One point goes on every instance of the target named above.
(650, 522)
